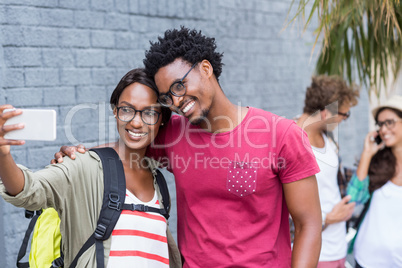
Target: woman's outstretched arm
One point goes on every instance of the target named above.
(11, 176)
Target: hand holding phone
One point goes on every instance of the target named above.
(4, 143)
(38, 125)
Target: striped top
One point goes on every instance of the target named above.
(139, 238)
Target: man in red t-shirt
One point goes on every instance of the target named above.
(239, 171)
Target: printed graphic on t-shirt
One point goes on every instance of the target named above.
(242, 178)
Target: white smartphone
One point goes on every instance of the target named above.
(39, 124)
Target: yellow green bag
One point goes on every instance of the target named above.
(46, 239)
(45, 234)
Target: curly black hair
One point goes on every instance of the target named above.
(189, 45)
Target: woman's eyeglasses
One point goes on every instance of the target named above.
(148, 116)
(390, 123)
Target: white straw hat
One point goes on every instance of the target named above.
(394, 102)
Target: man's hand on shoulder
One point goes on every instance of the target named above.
(67, 151)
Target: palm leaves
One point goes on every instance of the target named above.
(361, 39)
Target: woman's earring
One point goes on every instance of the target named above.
(162, 124)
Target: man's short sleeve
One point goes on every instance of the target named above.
(297, 154)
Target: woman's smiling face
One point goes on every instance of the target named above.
(391, 136)
(136, 134)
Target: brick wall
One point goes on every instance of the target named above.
(69, 56)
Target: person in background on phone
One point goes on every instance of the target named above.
(75, 188)
(327, 103)
(246, 168)
(378, 184)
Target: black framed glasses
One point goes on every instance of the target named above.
(390, 123)
(148, 116)
(177, 89)
(345, 115)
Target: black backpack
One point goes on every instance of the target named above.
(113, 203)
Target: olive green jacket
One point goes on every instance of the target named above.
(75, 189)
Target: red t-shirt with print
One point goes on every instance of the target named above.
(230, 203)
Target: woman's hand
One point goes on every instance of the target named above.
(10, 174)
(4, 116)
(369, 150)
(370, 146)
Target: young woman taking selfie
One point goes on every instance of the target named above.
(75, 188)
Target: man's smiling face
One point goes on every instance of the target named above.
(197, 101)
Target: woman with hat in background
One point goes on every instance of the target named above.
(378, 184)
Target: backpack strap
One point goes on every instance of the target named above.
(59, 262)
(113, 200)
(160, 180)
(143, 208)
(33, 215)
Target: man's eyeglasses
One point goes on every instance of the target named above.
(345, 115)
(390, 123)
(148, 116)
(176, 89)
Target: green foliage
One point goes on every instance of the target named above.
(361, 39)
